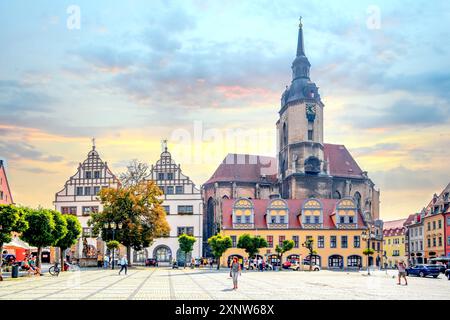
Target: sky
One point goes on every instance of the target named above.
(208, 77)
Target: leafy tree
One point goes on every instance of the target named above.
(138, 208)
(71, 237)
(113, 245)
(251, 244)
(11, 220)
(186, 245)
(219, 244)
(45, 228)
(309, 245)
(136, 173)
(285, 247)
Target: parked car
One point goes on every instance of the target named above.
(424, 270)
(287, 264)
(151, 262)
(251, 265)
(296, 266)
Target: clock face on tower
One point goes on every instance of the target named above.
(311, 111)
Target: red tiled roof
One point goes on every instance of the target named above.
(245, 168)
(410, 220)
(341, 161)
(394, 228)
(295, 206)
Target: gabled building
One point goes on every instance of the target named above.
(436, 225)
(183, 204)
(5, 190)
(394, 242)
(415, 232)
(79, 198)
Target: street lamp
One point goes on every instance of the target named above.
(113, 227)
(366, 237)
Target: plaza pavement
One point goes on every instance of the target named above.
(204, 284)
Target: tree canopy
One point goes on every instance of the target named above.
(138, 208)
(251, 244)
(219, 244)
(73, 233)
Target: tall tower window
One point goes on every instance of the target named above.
(310, 134)
(285, 139)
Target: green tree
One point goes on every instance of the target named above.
(113, 245)
(186, 245)
(285, 247)
(219, 244)
(138, 208)
(251, 244)
(71, 237)
(11, 220)
(45, 228)
(309, 245)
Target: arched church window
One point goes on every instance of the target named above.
(357, 198)
(285, 134)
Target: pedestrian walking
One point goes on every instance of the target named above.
(402, 273)
(99, 260)
(211, 263)
(123, 265)
(106, 262)
(235, 272)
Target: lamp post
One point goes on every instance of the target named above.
(366, 236)
(113, 227)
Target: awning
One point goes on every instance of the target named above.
(17, 243)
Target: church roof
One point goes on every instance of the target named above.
(342, 164)
(295, 208)
(245, 168)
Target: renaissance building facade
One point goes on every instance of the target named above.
(305, 166)
(182, 202)
(79, 198)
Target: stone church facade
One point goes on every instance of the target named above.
(305, 166)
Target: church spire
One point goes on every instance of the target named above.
(300, 43)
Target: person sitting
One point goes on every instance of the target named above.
(34, 268)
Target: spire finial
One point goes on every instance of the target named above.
(300, 44)
(93, 143)
(164, 145)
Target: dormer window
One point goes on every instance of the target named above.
(243, 214)
(277, 214)
(312, 214)
(346, 213)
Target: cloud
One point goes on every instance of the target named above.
(22, 150)
(17, 98)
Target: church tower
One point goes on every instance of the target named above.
(300, 134)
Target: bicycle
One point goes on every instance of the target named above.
(54, 270)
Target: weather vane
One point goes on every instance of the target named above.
(93, 143)
(300, 25)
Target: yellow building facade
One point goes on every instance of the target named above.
(394, 242)
(335, 226)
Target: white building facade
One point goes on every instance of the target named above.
(79, 198)
(183, 205)
(416, 238)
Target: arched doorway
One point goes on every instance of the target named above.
(316, 260)
(162, 254)
(273, 260)
(354, 261)
(335, 262)
(293, 258)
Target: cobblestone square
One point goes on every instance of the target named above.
(204, 284)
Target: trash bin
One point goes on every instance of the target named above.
(15, 271)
